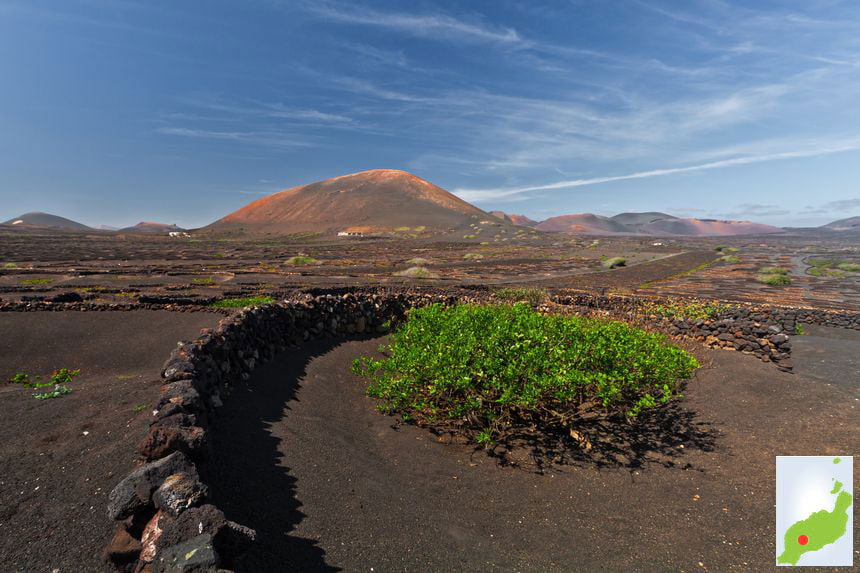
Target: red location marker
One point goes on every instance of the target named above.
(802, 539)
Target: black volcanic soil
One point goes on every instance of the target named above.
(60, 458)
(330, 484)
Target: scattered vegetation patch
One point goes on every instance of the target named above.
(59, 380)
(473, 256)
(35, 282)
(138, 408)
(419, 261)
(849, 267)
(799, 330)
(203, 281)
(10, 266)
(730, 259)
(491, 372)
(533, 296)
(470, 236)
(613, 262)
(301, 261)
(242, 302)
(416, 273)
(219, 255)
(831, 267)
(773, 271)
(686, 310)
(726, 249)
(774, 279)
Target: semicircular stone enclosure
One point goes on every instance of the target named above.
(165, 520)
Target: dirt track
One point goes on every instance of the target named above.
(61, 457)
(329, 484)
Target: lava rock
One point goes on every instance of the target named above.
(179, 492)
(135, 491)
(197, 555)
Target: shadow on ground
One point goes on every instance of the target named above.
(248, 477)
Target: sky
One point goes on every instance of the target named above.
(117, 111)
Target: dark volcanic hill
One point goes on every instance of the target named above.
(514, 219)
(47, 221)
(371, 201)
(584, 224)
(849, 224)
(638, 219)
(150, 227)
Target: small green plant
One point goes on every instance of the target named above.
(242, 302)
(614, 262)
(58, 391)
(10, 266)
(402, 229)
(20, 378)
(416, 273)
(491, 371)
(849, 267)
(35, 282)
(774, 279)
(730, 259)
(726, 249)
(64, 375)
(470, 236)
(139, 408)
(799, 330)
(301, 261)
(203, 281)
(473, 256)
(773, 271)
(219, 255)
(533, 296)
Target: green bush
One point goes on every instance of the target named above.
(533, 296)
(686, 310)
(302, 260)
(35, 282)
(473, 256)
(774, 279)
(614, 262)
(849, 267)
(488, 371)
(203, 281)
(416, 273)
(10, 266)
(731, 259)
(419, 261)
(773, 271)
(242, 302)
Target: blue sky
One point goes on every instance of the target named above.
(116, 111)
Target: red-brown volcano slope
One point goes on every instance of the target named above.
(370, 201)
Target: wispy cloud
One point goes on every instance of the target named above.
(488, 194)
(433, 26)
(258, 138)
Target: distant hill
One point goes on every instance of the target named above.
(150, 227)
(849, 224)
(371, 201)
(651, 223)
(584, 224)
(639, 219)
(47, 221)
(514, 219)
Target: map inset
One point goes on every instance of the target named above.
(814, 510)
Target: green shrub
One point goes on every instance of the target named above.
(773, 271)
(731, 259)
(774, 279)
(302, 260)
(533, 296)
(799, 330)
(19, 378)
(473, 256)
(470, 236)
(242, 302)
(55, 393)
(416, 273)
(203, 281)
(35, 282)
(402, 229)
(488, 371)
(64, 375)
(614, 262)
(10, 266)
(726, 249)
(849, 267)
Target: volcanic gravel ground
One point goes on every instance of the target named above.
(60, 458)
(329, 483)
